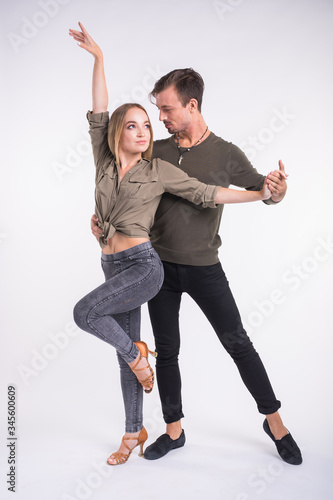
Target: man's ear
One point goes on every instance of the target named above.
(193, 105)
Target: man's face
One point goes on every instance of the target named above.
(173, 114)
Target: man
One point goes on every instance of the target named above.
(187, 241)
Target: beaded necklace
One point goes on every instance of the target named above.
(181, 154)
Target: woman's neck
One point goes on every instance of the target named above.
(127, 160)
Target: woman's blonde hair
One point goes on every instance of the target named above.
(116, 125)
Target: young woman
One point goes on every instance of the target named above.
(128, 189)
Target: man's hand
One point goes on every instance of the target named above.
(276, 182)
(96, 230)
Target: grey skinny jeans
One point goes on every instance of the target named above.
(112, 312)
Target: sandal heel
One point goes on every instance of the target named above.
(148, 383)
(141, 450)
(122, 458)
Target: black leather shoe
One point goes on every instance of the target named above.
(163, 445)
(286, 447)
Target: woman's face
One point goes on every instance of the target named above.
(135, 137)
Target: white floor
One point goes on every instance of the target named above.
(69, 419)
(227, 465)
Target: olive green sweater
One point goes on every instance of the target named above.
(187, 234)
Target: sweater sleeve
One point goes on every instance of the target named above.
(242, 172)
(98, 130)
(177, 182)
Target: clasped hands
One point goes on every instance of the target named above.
(276, 183)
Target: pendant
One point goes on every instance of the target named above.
(180, 159)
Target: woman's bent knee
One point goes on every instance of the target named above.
(80, 315)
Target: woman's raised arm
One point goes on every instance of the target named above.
(100, 98)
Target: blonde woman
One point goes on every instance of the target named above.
(128, 190)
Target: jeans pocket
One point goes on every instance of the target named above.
(141, 258)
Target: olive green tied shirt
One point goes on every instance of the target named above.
(128, 206)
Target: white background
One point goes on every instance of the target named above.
(259, 59)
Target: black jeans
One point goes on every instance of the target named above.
(209, 288)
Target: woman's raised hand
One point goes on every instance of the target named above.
(100, 97)
(85, 41)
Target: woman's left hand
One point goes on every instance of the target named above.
(265, 191)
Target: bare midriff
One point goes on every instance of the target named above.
(119, 243)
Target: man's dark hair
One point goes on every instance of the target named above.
(187, 82)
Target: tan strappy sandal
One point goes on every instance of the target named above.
(148, 383)
(121, 458)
